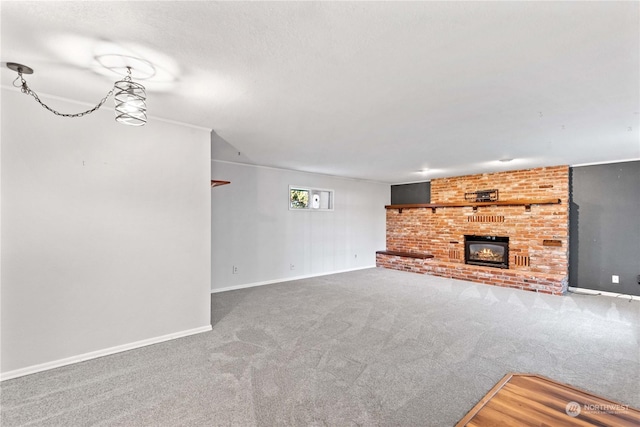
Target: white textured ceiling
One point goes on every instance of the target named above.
(376, 91)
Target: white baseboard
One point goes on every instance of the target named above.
(99, 353)
(603, 293)
(285, 279)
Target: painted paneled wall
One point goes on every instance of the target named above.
(605, 227)
(105, 233)
(254, 230)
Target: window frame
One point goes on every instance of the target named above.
(312, 191)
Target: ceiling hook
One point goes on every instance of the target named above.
(18, 81)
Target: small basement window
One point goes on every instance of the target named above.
(310, 198)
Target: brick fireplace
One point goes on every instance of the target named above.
(532, 213)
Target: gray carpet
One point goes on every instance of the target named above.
(372, 347)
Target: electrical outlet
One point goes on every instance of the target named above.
(615, 279)
(235, 270)
(292, 267)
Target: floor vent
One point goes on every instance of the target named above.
(485, 218)
(522, 261)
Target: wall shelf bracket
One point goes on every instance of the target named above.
(216, 183)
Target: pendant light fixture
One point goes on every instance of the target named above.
(131, 108)
(130, 97)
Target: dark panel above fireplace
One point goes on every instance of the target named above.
(419, 192)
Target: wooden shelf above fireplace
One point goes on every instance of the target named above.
(516, 202)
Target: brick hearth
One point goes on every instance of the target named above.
(538, 235)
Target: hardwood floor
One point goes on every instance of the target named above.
(532, 400)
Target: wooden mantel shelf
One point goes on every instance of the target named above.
(516, 202)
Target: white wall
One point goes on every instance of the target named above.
(253, 229)
(105, 234)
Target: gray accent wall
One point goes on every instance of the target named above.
(419, 192)
(605, 227)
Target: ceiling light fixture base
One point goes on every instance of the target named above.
(19, 68)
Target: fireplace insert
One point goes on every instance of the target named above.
(491, 251)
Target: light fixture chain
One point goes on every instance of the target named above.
(27, 90)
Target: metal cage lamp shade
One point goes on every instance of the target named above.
(131, 108)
